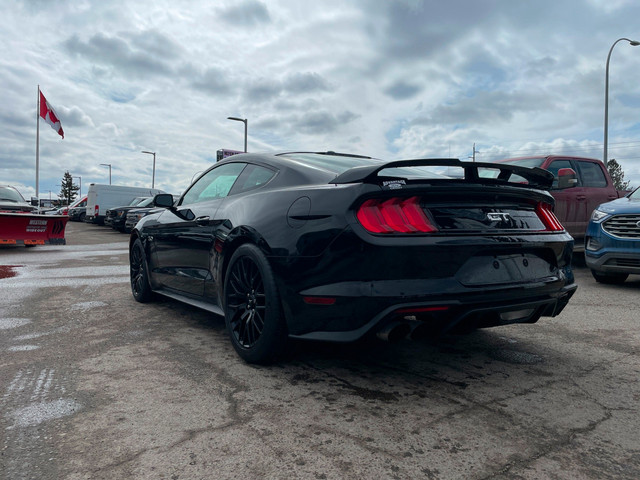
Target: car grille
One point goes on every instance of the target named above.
(623, 226)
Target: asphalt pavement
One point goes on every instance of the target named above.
(96, 386)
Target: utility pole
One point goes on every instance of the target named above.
(474, 152)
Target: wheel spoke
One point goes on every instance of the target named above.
(246, 302)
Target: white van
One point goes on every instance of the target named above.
(100, 198)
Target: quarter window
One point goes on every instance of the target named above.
(216, 183)
(252, 177)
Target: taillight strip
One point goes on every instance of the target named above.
(548, 218)
(394, 215)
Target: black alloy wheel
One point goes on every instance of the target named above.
(140, 286)
(252, 307)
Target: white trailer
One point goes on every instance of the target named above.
(100, 198)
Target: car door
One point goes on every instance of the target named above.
(570, 202)
(595, 188)
(183, 237)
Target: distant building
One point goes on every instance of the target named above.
(224, 153)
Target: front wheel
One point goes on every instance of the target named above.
(609, 278)
(253, 314)
(138, 271)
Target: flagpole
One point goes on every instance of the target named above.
(38, 149)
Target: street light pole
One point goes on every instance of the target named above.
(107, 165)
(633, 43)
(153, 176)
(245, 121)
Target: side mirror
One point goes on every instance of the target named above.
(164, 200)
(567, 178)
(34, 201)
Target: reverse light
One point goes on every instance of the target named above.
(548, 218)
(394, 215)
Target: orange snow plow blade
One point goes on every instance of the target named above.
(31, 229)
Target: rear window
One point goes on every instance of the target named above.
(338, 164)
(331, 163)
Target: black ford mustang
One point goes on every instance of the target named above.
(334, 247)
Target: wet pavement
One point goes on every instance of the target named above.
(94, 385)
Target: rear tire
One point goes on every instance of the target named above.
(139, 273)
(609, 278)
(253, 313)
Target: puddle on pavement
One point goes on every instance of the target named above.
(9, 271)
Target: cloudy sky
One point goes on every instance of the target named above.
(387, 78)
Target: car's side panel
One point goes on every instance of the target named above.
(182, 242)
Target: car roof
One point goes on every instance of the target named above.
(306, 166)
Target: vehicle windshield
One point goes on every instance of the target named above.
(10, 194)
(145, 203)
(635, 195)
(136, 201)
(77, 202)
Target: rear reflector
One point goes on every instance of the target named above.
(394, 215)
(319, 300)
(550, 221)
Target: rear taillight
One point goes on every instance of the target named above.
(549, 219)
(97, 210)
(394, 215)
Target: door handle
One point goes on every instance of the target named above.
(203, 221)
(581, 197)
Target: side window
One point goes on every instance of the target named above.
(252, 177)
(592, 175)
(216, 183)
(555, 166)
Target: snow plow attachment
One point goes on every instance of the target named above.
(30, 229)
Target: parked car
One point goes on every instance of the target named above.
(579, 186)
(134, 215)
(612, 244)
(116, 217)
(12, 201)
(101, 198)
(78, 209)
(335, 247)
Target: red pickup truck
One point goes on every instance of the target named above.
(580, 185)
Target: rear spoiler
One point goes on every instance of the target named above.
(536, 177)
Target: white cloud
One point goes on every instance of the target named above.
(390, 79)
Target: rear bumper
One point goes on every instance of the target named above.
(447, 313)
(459, 283)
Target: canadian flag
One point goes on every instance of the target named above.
(49, 115)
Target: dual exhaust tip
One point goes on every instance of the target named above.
(400, 329)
